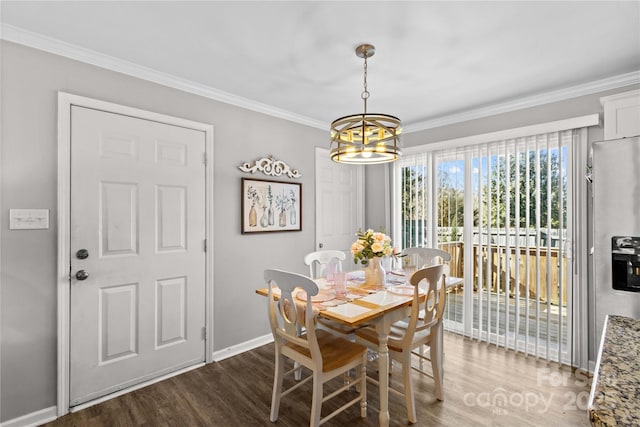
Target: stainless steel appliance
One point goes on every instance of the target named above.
(625, 263)
(616, 224)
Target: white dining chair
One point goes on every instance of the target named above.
(318, 261)
(428, 256)
(326, 355)
(422, 328)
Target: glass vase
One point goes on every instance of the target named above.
(374, 274)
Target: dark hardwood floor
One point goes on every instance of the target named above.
(484, 386)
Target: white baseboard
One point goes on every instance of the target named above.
(33, 419)
(242, 347)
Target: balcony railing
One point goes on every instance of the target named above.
(532, 285)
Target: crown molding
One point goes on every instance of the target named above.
(507, 134)
(38, 41)
(596, 86)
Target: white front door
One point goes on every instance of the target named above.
(137, 300)
(339, 202)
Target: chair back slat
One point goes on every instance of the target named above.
(319, 260)
(289, 316)
(427, 313)
(428, 256)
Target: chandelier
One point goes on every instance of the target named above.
(365, 138)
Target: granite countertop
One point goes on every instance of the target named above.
(615, 392)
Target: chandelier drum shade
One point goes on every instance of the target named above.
(365, 138)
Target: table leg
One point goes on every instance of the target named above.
(437, 361)
(297, 375)
(383, 372)
(441, 343)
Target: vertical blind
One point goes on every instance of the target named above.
(414, 203)
(502, 210)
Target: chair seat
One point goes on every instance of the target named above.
(336, 351)
(396, 336)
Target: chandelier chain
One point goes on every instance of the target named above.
(365, 93)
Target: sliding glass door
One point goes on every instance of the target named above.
(502, 210)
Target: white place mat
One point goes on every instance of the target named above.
(348, 310)
(405, 290)
(383, 298)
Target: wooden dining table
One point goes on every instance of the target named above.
(366, 305)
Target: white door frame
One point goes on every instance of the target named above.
(65, 101)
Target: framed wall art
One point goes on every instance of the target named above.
(269, 206)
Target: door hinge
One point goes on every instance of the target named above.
(205, 245)
(204, 158)
(204, 332)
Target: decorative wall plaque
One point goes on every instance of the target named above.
(270, 166)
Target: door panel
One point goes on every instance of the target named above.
(171, 311)
(171, 220)
(117, 322)
(118, 218)
(138, 207)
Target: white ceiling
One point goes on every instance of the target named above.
(433, 59)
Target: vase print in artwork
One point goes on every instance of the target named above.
(262, 202)
(253, 215)
(270, 214)
(282, 201)
(292, 211)
(264, 222)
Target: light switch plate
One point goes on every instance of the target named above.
(28, 219)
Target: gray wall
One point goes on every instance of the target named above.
(30, 82)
